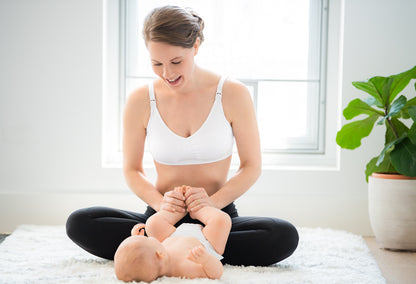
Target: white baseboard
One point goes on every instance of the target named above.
(327, 211)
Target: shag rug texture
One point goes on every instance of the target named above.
(44, 254)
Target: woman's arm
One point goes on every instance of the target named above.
(239, 110)
(136, 113)
(136, 117)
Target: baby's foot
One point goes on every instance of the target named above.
(138, 230)
(180, 189)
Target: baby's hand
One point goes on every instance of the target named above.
(198, 254)
(138, 230)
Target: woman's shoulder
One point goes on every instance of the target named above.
(234, 88)
(236, 99)
(138, 104)
(139, 95)
(236, 96)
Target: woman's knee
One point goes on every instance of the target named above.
(260, 241)
(286, 237)
(279, 239)
(76, 221)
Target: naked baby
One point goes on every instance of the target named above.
(190, 251)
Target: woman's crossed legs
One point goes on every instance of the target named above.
(255, 241)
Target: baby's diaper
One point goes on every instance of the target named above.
(195, 230)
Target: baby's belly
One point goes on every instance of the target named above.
(210, 176)
(182, 243)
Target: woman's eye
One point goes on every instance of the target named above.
(157, 64)
(177, 62)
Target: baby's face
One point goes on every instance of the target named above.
(137, 259)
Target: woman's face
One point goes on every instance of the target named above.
(173, 64)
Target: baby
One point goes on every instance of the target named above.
(189, 251)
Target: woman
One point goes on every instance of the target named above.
(190, 117)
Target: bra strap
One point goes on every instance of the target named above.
(151, 93)
(220, 84)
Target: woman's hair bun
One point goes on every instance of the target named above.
(173, 25)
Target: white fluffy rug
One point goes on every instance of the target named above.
(42, 254)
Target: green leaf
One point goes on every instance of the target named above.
(403, 158)
(370, 101)
(350, 135)
(412, 112)
(387, 148)
(357, 107)
(412, 131)
(405, 110)
(400, 81)
(397, 106)
(382, 85)
(394, 109)
(400, 128)
(412, 101)
(381, 121)
(384, 167)
(371, 89)
(387, 91)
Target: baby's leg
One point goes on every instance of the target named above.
(162, 224)
(217, 226)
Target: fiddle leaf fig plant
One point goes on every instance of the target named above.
(385, 106)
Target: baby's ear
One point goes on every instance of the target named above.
(138, 230)
(160, 254)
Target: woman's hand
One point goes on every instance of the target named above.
(173, 201)
(197, 198)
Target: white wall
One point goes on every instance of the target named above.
(50, 118)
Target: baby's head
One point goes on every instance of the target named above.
(139, 258)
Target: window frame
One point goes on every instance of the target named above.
(114, 70)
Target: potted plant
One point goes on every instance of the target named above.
(392, 174)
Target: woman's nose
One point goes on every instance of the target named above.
(166, 72)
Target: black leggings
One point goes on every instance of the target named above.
(255, 241)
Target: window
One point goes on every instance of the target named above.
(278, 48)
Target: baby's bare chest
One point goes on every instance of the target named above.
(181, 245)
(179, 249)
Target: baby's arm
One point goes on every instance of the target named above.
(162, 224)
(212, 266)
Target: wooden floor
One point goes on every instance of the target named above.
(396, 267)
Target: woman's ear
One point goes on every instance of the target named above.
(196, 45)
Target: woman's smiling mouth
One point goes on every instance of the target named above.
(174, 81)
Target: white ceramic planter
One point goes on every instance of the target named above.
(392, 208)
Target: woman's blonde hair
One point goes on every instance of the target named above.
(173, 25)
